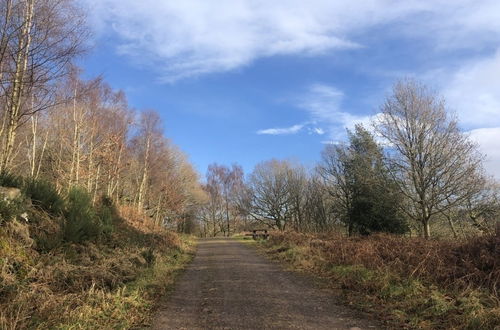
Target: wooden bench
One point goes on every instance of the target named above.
(259, 234)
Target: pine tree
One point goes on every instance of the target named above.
(375, 201)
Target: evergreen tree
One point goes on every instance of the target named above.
(375, 201)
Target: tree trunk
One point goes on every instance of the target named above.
(90, 164)
(34, 128)
(74, 142)
(452, 226)
(96, 185)
(427, 229)
(142, 186)
(5, 37)
(40, 158)
(227, 217)
(18, 86)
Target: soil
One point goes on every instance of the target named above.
(230, 286)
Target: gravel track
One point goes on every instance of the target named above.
(230, 286)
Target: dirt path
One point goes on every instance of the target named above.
(229, 286)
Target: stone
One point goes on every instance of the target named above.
(9, 194)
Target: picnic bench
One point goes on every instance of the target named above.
(259, 234)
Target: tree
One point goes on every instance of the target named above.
(333, 170)
(147, 140)
(434, 164)
(318, 207)
(221, 187)
(375, 205)
(298, 185)
(39, 39)
(270, 193)
(356, 177)
(212, 214)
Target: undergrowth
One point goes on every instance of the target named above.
(77, 265)
(407, 282)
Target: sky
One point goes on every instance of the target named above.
(249, 80)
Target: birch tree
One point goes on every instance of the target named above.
(39, 39)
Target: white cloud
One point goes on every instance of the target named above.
(281, 131)
(181, 39)
(318, 130)
(474, 92)
(307, 126)
(488, 140)
(324, 105)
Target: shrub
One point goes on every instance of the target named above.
(81, 222)
(106, 213)
(411, 282)
(44, 195)
(10, 209)
(10, 180)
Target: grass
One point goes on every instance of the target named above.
(111, 283)
(402, 287)
(127, 306)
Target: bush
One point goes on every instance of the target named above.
(10, 209)
(10, 180)
(412, 282)
(106, 213)
(44, 195)
(81, 222)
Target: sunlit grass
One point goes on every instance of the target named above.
(398, 300)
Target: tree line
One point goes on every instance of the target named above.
(411, 170)
(58, 127)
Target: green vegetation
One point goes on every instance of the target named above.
(375, 200)
(407, 282)
(80, 220)
(10, 180)
(10, 209)
(74, 265)
(44, 195)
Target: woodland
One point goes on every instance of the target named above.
(99, 208)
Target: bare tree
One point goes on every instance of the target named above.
(270, 193)
(222, 185)
(434, 162)
(483, 207)
(39, 39)
(333, 170)
(318, 206)
(147, 140)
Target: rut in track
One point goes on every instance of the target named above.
(229, 286)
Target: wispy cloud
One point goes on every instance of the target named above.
(281, 131)
(324, 104)
(318, 130)
(309, 127)
(180, 39)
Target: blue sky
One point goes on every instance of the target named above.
(245, 81)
